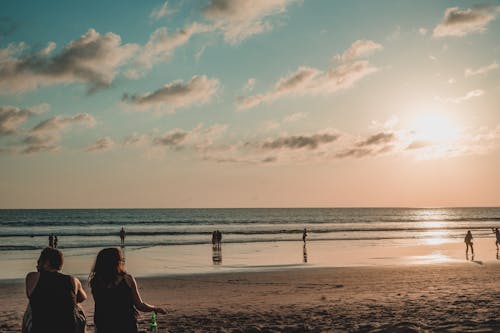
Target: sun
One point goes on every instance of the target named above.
(435, 128)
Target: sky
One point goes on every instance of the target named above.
(249, 103)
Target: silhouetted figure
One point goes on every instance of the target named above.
(55, 242)
(116, 295)
(53, 297)
(304, 252)
(122, 236)
(218, 238)
(304, 235)
(217, 255)
(51, 240)
(468, 243)
(214, 239)
(497, 234)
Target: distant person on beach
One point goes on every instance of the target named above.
(218, 238)
(304, 235)
(51, 240)
(53, 297)
(122, 236)
(497, 234)
(116, 295)
(55, 241)
(214, 238)
(468, 242)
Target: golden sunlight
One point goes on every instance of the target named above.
(435, 128)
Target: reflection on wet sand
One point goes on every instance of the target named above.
(304, 253)
(217, 255)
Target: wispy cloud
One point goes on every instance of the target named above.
(466, 97)
(241, 19)
(92, 59)
(45, 136)
(11, 117)
(481, 70)
(460, 22)
(102, 144)
(160, 12)
(295, 142)
(358, 49)
(161, 46)
(172, 96)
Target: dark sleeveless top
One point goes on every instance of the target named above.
(114, 310)
(53, 304)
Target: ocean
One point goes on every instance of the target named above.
(96, 228)
(173, 240)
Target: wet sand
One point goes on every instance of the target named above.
(444, 297)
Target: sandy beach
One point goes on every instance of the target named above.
(453, 297)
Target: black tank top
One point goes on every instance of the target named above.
(53, 304)
(114, 310)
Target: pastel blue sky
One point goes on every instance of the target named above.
(249, 103)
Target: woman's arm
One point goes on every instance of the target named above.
(139, 304)
(31, 282)
(81, 295)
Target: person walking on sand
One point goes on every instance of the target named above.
(51, 240)
(122, 236)
(497, 234)
(53, 296)
(304, 235)
(55, 241)
(116, 295)
(468, 242)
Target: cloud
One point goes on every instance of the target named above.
(161, 11)
(418, 144)
(161, 46)
(311, 81)
(58, 123)
(358, 49)
(172, 96)
(481, 71)
(136, 140)
(295, 117)
(45, 136)
(173, 138)
(460, 22)
(466, 97)
(241, 19)
(296, 141)
(101, 144)
(92, 59)
(377, 139)
(11, 117)
(249, 85)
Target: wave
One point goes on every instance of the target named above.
(245, 232)
(97, 222)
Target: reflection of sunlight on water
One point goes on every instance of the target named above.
(435, 257)
(435, 237)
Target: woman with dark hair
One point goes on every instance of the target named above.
(53, 296)
(116, 296)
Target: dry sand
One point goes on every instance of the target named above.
(436, 298)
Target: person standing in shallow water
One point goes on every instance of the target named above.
(497, 234)
(304, 235)
(468, 243)
(122, 236)
(116, 295)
